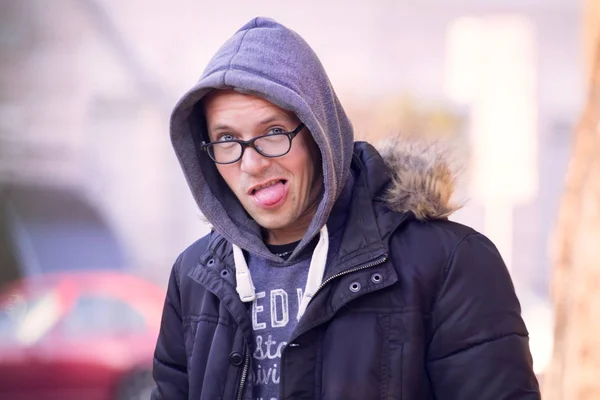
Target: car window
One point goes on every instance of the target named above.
(102, 315)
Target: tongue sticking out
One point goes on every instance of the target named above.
(270, 195)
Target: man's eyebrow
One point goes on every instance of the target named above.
(219, 127)
(274, 118)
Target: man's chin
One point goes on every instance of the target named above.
(271, 222)
(271, 225)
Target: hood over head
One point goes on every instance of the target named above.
(268, 60)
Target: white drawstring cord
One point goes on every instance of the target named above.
(245, 287)
(315, 271)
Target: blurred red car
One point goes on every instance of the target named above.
(75, 336)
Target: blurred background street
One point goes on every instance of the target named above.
(91, 191)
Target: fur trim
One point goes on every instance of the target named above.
(424, 176)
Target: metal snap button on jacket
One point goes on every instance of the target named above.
(236, 359)
(354, 287)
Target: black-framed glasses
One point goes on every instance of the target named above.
(269, 145)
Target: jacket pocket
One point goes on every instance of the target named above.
(202, 335)
(208, 344)
(393, 385)
(190, 329)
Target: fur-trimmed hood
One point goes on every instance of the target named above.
(423, 176)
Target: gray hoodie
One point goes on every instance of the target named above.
(268, 60)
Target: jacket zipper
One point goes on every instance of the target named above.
(366, 266)
(244, 376)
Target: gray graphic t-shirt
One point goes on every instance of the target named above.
(279, 290)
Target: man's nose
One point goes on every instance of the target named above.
(252, 162)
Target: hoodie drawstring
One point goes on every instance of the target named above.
(245, 287)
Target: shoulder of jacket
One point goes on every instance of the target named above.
(429, 245)
(427, 249)
(195, 253)
(453, 231)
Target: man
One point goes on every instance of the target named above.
(331, 271)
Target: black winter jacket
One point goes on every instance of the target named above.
(411, 309)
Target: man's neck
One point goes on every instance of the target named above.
(283, 250)
(278, 237)
(289, 234)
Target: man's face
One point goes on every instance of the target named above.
(281, 194)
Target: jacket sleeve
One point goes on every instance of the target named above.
(170, 360)
(479, 346)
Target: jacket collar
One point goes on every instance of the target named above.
(365, 231)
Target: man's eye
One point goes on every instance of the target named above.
(225, 137)
(273, 131)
